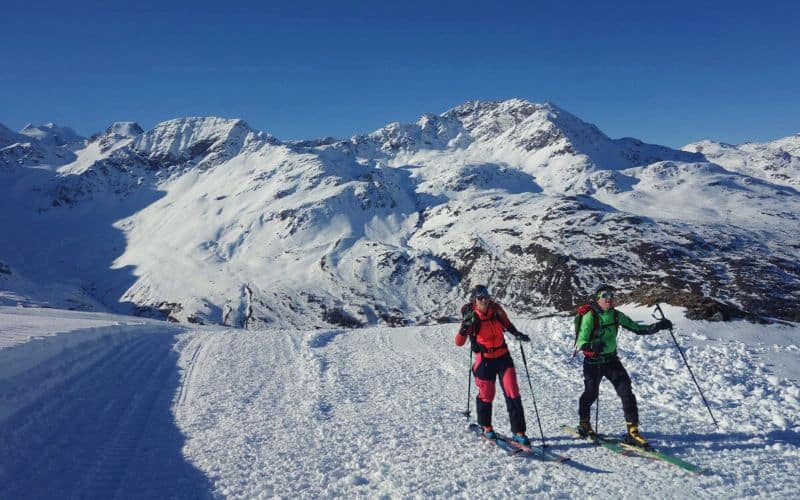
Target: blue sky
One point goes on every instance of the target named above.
(669, 72)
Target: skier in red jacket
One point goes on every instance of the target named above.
(484, 322)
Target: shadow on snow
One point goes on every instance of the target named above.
(100, 424)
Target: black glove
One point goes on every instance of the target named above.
(522, 337)
(468, 323)
(469, 319)
(664, 324)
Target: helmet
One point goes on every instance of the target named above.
(604, 288)
(479, 291)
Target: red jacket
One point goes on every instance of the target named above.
(490, 334)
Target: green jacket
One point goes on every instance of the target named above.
(608, 329)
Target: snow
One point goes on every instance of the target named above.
(210, 220)
(100, 406)
(52, 134)
(125, 129)
(205, 219)
(776, 161)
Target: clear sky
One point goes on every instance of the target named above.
(668, 72)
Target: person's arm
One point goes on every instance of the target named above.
(509, 326)
(639, 329)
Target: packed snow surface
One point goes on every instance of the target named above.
(100, 406)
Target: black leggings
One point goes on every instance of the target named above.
(614, 371)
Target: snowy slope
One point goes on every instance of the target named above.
(45, 146)
(207, 220)
(52, 135)
(107, 406)
(776, 161)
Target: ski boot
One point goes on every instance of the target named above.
(521, 438)
(489, 433)
(585, 430)
(635, 438)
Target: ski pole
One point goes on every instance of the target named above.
(528, 374)
(469, 384)
(658, 308)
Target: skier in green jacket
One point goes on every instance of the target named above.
(597, 338)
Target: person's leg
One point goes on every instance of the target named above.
(508, 382)
(622, 384)
(592, 375)
(484, 380)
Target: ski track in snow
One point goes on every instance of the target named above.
(146, 411)
(98, 423)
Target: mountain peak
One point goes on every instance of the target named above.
(509, 113)
(125, 129)
(514, 106)
(537, 132)
(182, 139)
(201, 126)
(51, 133)
(775, 161)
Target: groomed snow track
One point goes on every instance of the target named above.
(96, 422)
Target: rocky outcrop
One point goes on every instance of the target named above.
(225, 224)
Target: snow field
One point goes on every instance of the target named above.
(375, 412)
(176, 411)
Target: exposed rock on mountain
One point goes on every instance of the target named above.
(777, 161)
(208, 220)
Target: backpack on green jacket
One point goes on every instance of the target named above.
(593, 309)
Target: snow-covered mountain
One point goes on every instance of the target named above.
(208, 220)
(777, 161)
(47, 145)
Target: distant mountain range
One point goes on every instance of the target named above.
(207, 220)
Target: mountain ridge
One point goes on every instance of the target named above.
(212, 221)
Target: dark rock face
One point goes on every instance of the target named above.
(523, 197)
(710, 272)
(339, 317)
(698, 306)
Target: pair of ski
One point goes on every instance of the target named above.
(620, 446)
(516, 449)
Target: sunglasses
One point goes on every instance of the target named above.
(482, 297)
(607, 295)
